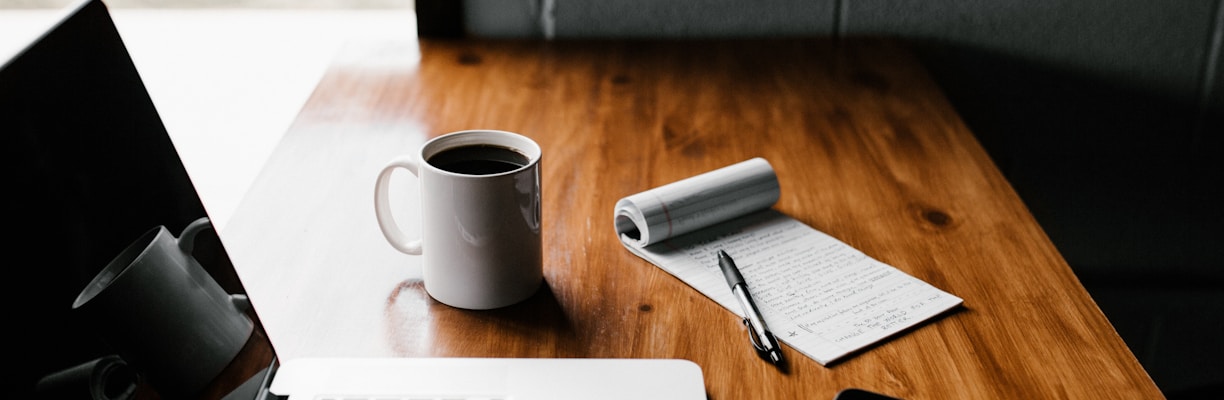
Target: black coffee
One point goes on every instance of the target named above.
(478, 160)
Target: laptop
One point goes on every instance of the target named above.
(90, 168)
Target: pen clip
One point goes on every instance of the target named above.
(757, 341)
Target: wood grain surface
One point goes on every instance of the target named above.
(866, 149)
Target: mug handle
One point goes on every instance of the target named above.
(186, 243)
(382, 206)
(186, 240)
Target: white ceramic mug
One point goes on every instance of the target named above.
(480, 234)
(164, 314)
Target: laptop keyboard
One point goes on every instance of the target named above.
(413, 397)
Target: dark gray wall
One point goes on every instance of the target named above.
(1106, 116)
(1162, 46)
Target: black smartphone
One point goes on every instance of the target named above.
(860, 394)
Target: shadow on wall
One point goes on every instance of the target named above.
(1128, 184)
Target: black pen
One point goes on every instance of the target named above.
(762, 339)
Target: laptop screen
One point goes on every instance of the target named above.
(95, 186)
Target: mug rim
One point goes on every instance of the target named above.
(115, 269)
(511, 141)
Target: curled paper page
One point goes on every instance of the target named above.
(820, 295)
(697, 202)
(107, 377)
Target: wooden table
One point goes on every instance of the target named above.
(866, 149)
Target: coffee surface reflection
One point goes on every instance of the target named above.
(481, 159)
